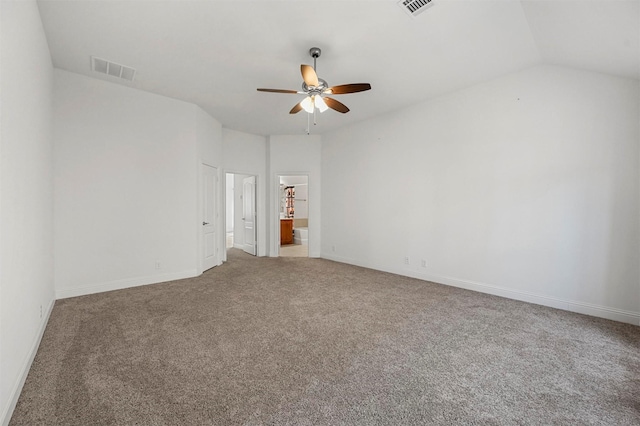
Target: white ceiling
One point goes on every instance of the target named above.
(216, 53)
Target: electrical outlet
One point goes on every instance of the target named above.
(157, 264)
(333, 248)
(406, 260)
(423, 263)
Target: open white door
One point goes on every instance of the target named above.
(209, 217)
(249, 214)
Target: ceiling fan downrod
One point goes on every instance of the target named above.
(315, 53)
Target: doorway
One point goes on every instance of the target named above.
(240, 213)
(293, 199)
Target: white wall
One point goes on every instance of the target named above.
(127, 190)
(295, 155)
(209, 137)
(526, 186)
(26, 191)
(293, 180)
(301, 203)
(244, 153)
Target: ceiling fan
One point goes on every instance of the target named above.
(317, 90)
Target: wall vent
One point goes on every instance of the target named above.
(111, 68)
(414, 7)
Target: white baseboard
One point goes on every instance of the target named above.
(24, 370)
(606, 312)
(125, 283)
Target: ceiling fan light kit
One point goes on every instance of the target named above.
(316, 90)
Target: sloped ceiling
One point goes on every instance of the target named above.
(216, 53)
(601, 36)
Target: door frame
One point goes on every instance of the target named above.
(224, 210)
(276, 208)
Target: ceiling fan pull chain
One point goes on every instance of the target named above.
(308, 121)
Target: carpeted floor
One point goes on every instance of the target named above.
(307, 341)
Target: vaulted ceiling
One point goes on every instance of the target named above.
(216, 53)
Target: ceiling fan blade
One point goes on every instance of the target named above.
(309, 75)
(296, 108)
(348, 88)
(338, 106)
(277, 90)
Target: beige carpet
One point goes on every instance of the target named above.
(294, 250)
(308, 341)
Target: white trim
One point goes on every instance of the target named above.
(26, 366)
(606, 312)
(125, 283)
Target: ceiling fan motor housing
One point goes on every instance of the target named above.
(315, 90)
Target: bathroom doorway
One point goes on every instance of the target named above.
(240, 212)
(293, 197)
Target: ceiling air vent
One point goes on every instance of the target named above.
(111, 68)
(414, 7)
